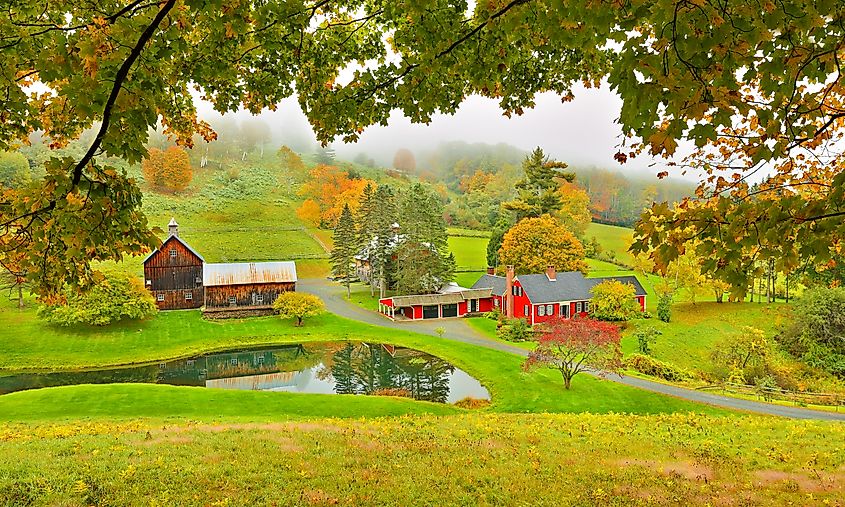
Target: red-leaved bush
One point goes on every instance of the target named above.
(575, 345)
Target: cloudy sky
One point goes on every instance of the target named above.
(582, 132)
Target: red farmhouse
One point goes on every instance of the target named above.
(536, 298)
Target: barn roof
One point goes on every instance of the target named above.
(180, 240)
(245, 273)
(569, 286)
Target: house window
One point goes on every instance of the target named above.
(564, 310)
(189, 296)
(527, 310)
(496, 302)
(172, 252)
(234, 361)
(233, 300)
(541, 311)
(550, 310)
(578, 307)
(586, 306)
(159, 297)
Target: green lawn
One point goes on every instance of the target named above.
(612, 238)
(471, 459)
(32, 344)
(470, 253)
(687, 341)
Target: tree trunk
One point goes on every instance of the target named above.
(567, 379)
(298, 321)
(20, 297)
(382, 290)
(787, 288)
(348, 289)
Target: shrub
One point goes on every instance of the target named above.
(655, 368)
(818, 334)
(297, 305)
(116, 297)
(515, 330)
(664, 307)
(472, 403)
(646, 336)
(614, 301)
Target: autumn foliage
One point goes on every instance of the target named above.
(614, 300)
(574, 345)
(404, 160)
(327, 190)
(169, 170)
(535, 243)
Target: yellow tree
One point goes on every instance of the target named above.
(297, 305)
(535, 243)
(574, 210)
(169, 170)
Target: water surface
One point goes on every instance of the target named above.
(329, 368)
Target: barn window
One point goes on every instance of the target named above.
(173, 252)
(233, 300)
(149, 282)
(259, 299)
(234, 361)
(541, 311)
(189, 296)
(495, 302)
(198, 279)
(159, 297)
(550, 310)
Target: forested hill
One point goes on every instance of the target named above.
(481, 176)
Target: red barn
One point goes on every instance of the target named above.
(540, 297)
(173, 273)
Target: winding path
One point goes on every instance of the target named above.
(458, 330)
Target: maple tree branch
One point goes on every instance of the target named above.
(120, 77)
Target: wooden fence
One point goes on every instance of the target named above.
(775, 393)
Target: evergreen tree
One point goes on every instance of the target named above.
(537, 192)
(345, 248)
(423, 262)
(381, 250)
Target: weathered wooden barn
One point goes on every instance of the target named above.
(246, 288)
(173, 273)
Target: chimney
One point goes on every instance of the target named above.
(509, 292)
(173, 227)
(550, 272)
(491, 270)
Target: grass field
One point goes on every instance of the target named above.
(472, 459)
(612, 238)
(34, 345)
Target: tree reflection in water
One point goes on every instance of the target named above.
(365, 368)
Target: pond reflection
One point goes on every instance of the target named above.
(329, 368)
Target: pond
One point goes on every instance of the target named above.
(327, 367)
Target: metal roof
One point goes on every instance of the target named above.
(180, 240)
(439, 299)
(244, 273)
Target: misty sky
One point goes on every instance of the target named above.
(582, 132)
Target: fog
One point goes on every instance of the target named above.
(583, 132)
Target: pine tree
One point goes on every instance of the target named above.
(381, 250)
(423, 264)
(537, 192)
(345, 248)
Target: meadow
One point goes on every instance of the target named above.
(468, 459)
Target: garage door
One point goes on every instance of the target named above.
(430, 312)
(450, 310)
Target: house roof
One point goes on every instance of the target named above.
(245, 273)
(568, 286)
(440, 298)
(497, 283)
(180, 240)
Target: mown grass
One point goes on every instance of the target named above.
(473, 459)
(470, 253)
(612, 239)
(689, 339)
(37, 346)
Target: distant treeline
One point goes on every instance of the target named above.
(478, 177)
